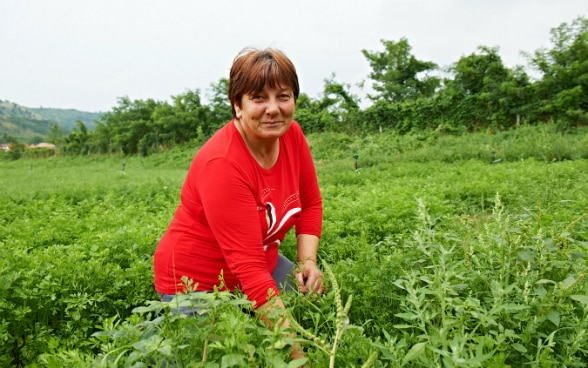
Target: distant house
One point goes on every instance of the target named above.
(43, 145)
(4, 147)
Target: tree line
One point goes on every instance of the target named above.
(475, 93)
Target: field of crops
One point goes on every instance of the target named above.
(441, 251)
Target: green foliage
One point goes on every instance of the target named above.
(489, 90)
(563, 90)
(440, 270)
(78, 141)
(146, 127)
(74, 253)
(68, 118)
(220, 107)
(496, 297)
(397, 74)
(30, 125)
(480, 92)
(130, 127)
(335, 110)
(22, 128)
(222, 333)
(55, 135)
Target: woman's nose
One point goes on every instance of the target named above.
(272, 106)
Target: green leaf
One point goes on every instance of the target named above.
(280, 344)
(403, 326)
(512, 307)
(142, 309)
(414, 352)
(520, 348)
(230, 360)
(554, 317)
(480, 358)
(581, 298)
(526, 256)
(545, 281)
(408, 316)
(567, 282)
(297, 363)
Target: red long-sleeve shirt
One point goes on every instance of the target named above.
(233, 214)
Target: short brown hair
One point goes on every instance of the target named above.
(253, 68)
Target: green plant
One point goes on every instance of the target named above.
(341, 322)
(495, 281)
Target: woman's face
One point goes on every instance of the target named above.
(267, 114)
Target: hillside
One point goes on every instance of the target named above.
(27, 124)
(67, 117)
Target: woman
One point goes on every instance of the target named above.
(248, 185)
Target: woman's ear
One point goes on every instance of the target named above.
(237, 111)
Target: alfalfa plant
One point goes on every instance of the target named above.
(341, 323)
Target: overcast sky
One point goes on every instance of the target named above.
(84, 54)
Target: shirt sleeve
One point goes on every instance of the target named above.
(231, 212)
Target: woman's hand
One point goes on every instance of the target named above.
(297, 352)
(309, 277)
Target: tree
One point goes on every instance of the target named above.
(312, 115)
(220, 107)
(179, 123)
(77, 141)
(563, 89)
(103, 136)
(129, 127)
(190, 115)
(478, 73)
(331, 111)
(483, 91)
(55, 136)
(515, 96)
(398, 76)
(338, 94)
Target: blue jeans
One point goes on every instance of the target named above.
(282, 275)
